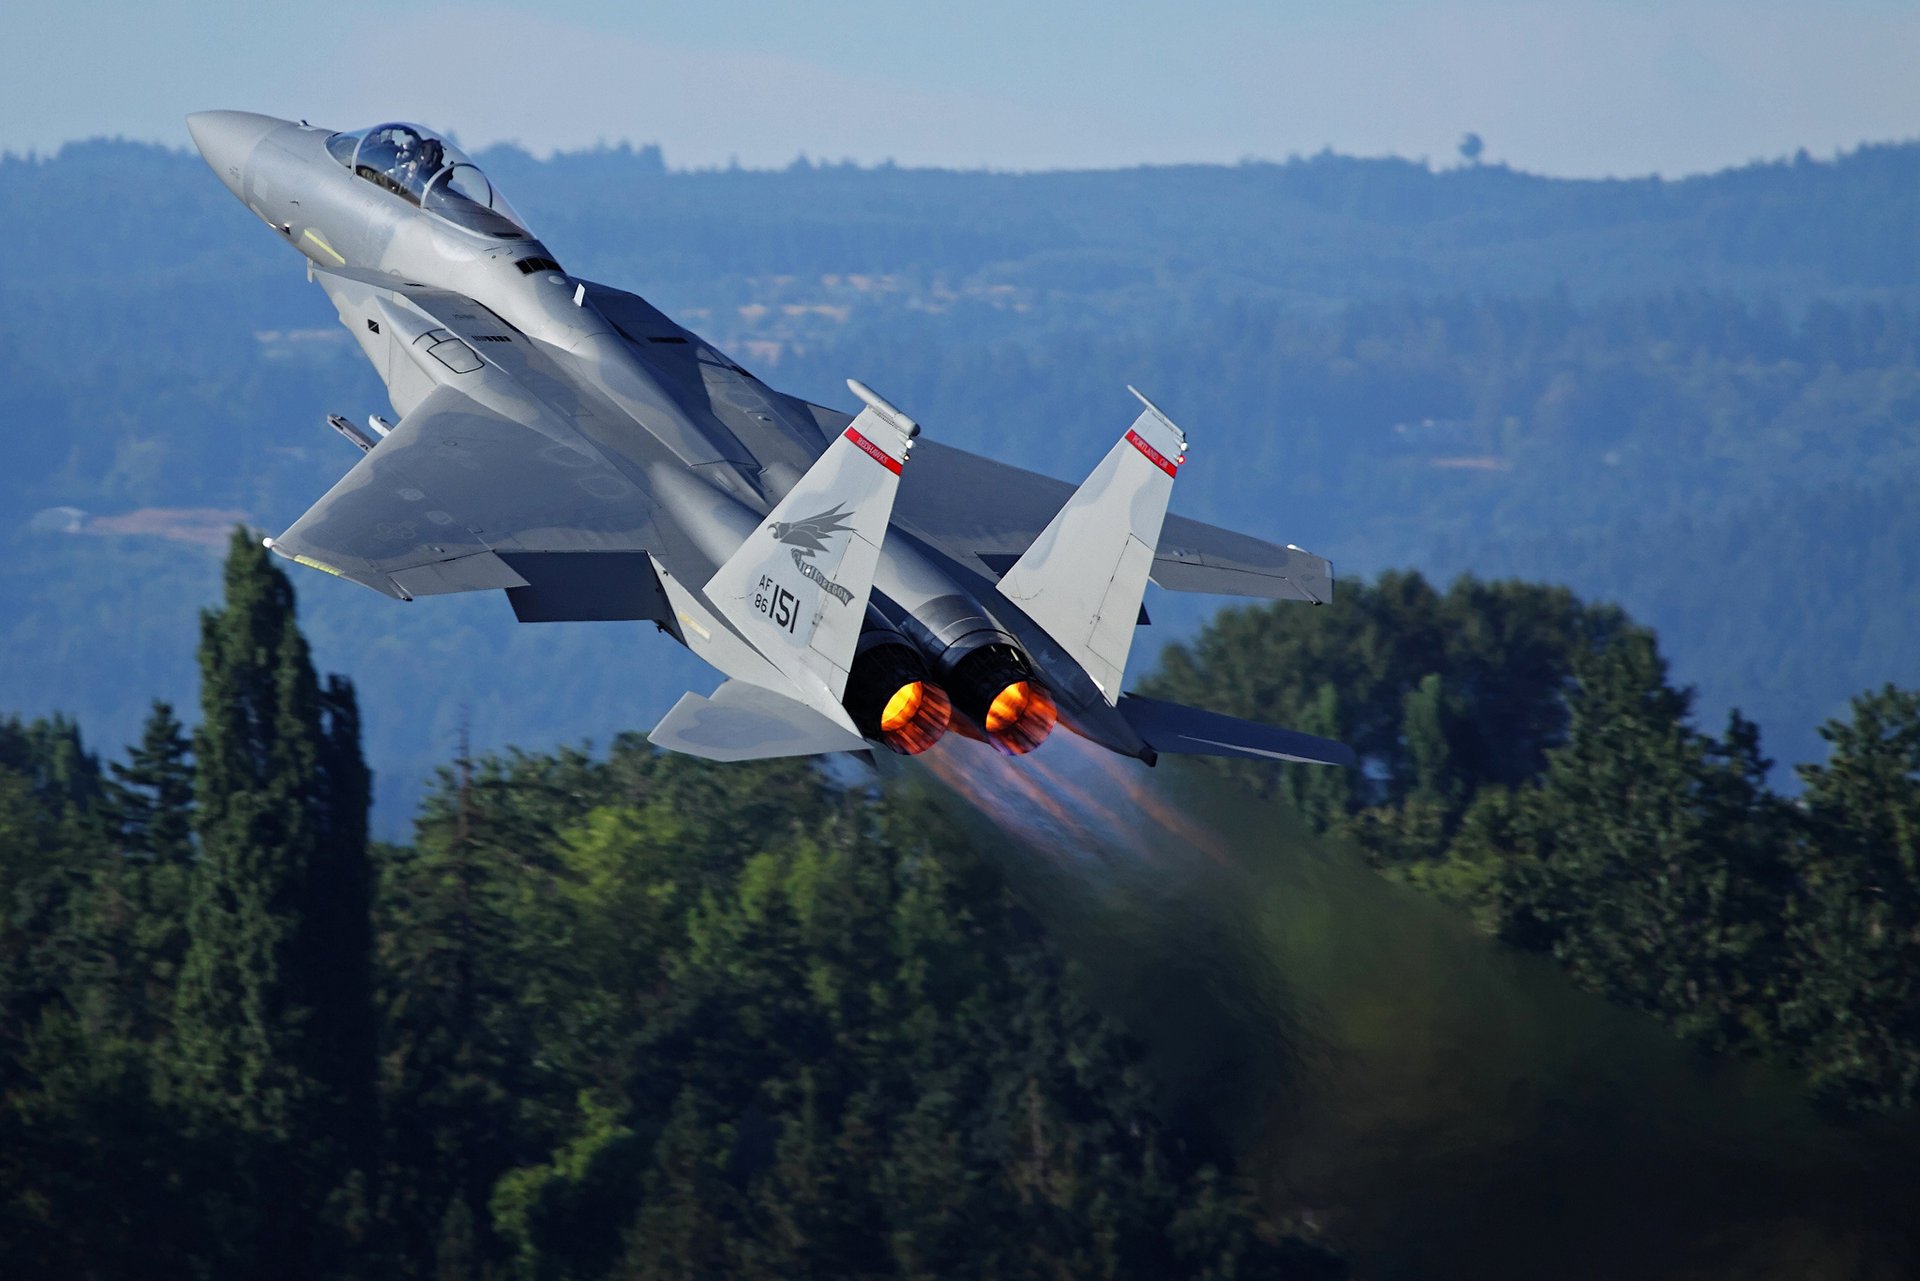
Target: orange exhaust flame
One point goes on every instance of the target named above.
(915, 717)
(1020, 718)
(1154, 806)
(993, 795)
(1080, 804)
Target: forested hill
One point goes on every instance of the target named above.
(1699, 397)
(1313, 231)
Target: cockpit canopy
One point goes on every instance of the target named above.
(426, 169)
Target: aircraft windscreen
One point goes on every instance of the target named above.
(428, 170)
(462, 194)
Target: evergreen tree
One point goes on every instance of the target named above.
(241, 1018)
(141, 893)
(1322, 794)
(1397, 838)
(339, 929)
(1855, 939)
(268, 924)
(1632, 887)
(52, 847)
(1428, 724)
(1503, 655)
(150, 798)
(461, 936)
(62, 771)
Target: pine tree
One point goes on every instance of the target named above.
(52, 848)
(1322, 793)
(64, 772)
(1631, 888)
(139, 894)
(339, 895)
(458, 949)
(257, 751)
(150, 798)
(1855, 936)
(272, 919)
(1428, 728)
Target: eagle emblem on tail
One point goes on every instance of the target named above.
(809, 534)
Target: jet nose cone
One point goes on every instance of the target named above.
(227, 138)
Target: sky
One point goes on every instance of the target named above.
(1579, 88)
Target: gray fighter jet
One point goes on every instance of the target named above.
(568, 444)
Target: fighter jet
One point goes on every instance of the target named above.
(566, 443)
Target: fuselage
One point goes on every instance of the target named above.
(370, 210)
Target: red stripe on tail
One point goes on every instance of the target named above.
(1154, 456)
(885, 459)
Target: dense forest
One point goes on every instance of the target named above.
(1698, 398)
(625, 1016)
(630, 1015)
(1525, 757)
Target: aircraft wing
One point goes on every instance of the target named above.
(987, 513)
(459, 498)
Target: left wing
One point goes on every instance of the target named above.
(1171, 729)
(987, 513)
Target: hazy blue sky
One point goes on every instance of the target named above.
(1581, 87)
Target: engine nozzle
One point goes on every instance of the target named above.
(995, 687)
(915, 717)
(891, 699)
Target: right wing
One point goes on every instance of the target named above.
(987, 513)
(457, 496)
(493, 477)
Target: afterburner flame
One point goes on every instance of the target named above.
(1020, 718)
(915, 717)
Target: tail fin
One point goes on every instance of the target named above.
(1173, 730)
(798, 587)
(1083, 577)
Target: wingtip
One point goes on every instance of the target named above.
(881, 405)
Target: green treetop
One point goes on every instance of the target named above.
(273, 1023)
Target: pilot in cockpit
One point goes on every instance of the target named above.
(429, 172)
(417, 160)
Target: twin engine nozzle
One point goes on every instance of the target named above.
(892, 696)
(995, 688)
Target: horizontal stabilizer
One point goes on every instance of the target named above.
(742, 722)
(1172, 729)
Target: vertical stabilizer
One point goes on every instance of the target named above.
(797, 588)
(1083, 578)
